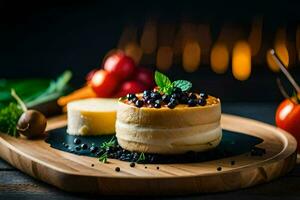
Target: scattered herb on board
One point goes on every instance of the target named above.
(108, 144)
(141, 158)
(103, 157)
(166, 86)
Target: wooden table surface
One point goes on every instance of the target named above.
(16, 185)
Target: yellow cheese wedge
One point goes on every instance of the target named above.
(95, 116)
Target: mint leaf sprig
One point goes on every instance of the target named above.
(166, 86)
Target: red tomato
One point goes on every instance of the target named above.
(288, 118)
(90, 75)
(130, 87)
(104, 83)
(144, 76)
(120, 65)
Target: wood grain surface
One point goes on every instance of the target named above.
(75, 173)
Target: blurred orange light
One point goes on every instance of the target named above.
(241, 60)
(280, 47)
(149, 37)
(164, 58)
(191, 56)
(219, 58)
(255, 36)
(134, 51)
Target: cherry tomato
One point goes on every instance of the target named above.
(144, 76)
(288, 118)
(90, 75)
(120, 65)
(130, 87)
(104, 83)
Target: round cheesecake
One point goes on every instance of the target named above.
(169, 131)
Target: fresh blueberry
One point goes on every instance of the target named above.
(155, 95)
(77, 148)
(166, 98)
(177, 90)
(192, 96)
(174, 101)
(93, 149)
(151, 101)
(130, 96)
(184, 99)
(134, 99)
(171, 105)
(146, 93)
(157, 105)
(158, 101)
(192, 102)
(77, 141)
(84, 146)
(139, 103)
(202, 102)
(203, 95)
(175, 96)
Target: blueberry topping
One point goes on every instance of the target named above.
(171, 105)
(202, 102)
(155, 95)
(132, 164)
(183, 99)
(77, 141)
(84, 146)
(192, 96)
(157, 105)
(139, 103)
(158, 101)
(166, 98)
(192, 103)
(130, 96)
(203, 95)
(175, 96)
(134, 99)
(146, 93)
(174, 101)
(177, 90)
(93, 149)
(77, 148)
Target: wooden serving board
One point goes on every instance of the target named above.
(75, 173)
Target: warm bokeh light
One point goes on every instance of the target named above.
(128, 35)
(205, 41)
(191, 56)
(241, 60)
(164, 58)
(219, 58)
(255, 36)
(149, 38)
(280, 47)
(133, 50)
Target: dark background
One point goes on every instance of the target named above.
(43, 38)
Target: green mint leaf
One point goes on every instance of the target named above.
(183, 85)
(161, 80)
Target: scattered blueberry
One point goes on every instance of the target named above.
(92, 165)
(93, 149)
(139, 103)
(151, 101)
(132, 164)
(84, 146)
(77, 141)
(77, 148)
(171, 105)
(175, 96)
(192, 96)
(157, 167)
(202, 102)
(177, 90)
(232, 162)
(155, 95)
(219, 168)
(184, 99)
(146, 93)
(66, 146)
(117, 169)
(166, 98)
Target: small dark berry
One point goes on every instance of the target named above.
(66, 145)
(219, 168)
(155, 95)
(92, 165)
(77, 141)
(134, 99)
(84, 146)
(202, 102)
(157, 167)
(139, 103)
(183, 99)
(175, 96)
(157, 105)
(177, 90)
(146, 93)
(130, 96)
(93, 149)
(203, 95)
(192, 102)
(77, 148)
(232, 162)
(174, 101)
(145, 167)
(171, 105)
(117, 169)
(158, 101)
(132, 164)
(192, 96)
(166, 98)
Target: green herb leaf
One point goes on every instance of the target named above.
(103, 158)
(161, 80)
(108, 144)
(141, 158)
(183, 85)
(9, 117)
